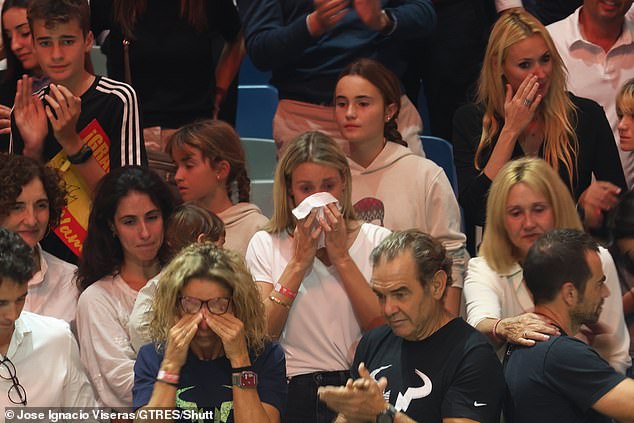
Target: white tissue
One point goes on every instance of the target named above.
(316, 201)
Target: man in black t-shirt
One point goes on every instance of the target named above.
(427, 365)
(563, 379)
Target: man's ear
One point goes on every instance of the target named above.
(569, 294)
(439, 284)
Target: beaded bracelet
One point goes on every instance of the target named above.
(279, 302)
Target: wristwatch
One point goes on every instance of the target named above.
(387, 416)
(81, 156)
(245, 379)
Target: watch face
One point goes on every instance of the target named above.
(385, 418)
(248, 379)
(245, 379)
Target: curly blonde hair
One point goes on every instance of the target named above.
(206, 261)
(557, 109)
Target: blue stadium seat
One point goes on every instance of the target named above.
(441, 152)
(256, 108)
(261, 161)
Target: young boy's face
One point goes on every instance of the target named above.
(61, 50)
(626, 132)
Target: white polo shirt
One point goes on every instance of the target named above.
(596, 74)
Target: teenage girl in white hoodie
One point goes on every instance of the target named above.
(391, 186)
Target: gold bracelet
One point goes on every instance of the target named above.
(279, 302)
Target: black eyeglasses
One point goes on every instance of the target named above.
(17, 393)
(192, 305)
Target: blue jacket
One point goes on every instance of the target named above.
(306, 69)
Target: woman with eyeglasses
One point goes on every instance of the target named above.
(210, 350)
(123, 250)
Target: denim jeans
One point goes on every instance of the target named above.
(304, 405)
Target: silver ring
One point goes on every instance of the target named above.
(528, 102)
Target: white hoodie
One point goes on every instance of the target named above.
(400, 190)
(241, 221)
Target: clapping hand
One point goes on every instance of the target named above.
(63, 111)
(30, 118)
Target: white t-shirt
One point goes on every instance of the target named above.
(46, 359)
(102, 324)
(321, 332)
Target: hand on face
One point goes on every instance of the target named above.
(359, 400)
(519, 108)
(334, 226)
(63, 112)
(230, 330)
(305, 237)
(179, 338)
(30, 118)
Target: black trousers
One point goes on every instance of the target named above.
(303, 404)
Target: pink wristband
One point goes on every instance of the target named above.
(290, 294)
(169, 378)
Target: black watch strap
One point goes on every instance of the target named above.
(388, 415)
(81, 156)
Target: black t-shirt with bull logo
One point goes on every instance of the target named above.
(452, 373)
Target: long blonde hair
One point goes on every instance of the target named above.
(206, 261)
(309, 147)
(496, 247)
(557, 109)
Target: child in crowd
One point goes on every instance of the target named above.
(211, 172)
(32, 197)
(80, 123)
(625, 112)
(188, 224)
(124, 249)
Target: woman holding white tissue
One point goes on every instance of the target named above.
(318, 300)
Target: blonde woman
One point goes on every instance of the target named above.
(318, 300)
(625, 112)
(528, 199)
(523, 109)
(211, 351)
